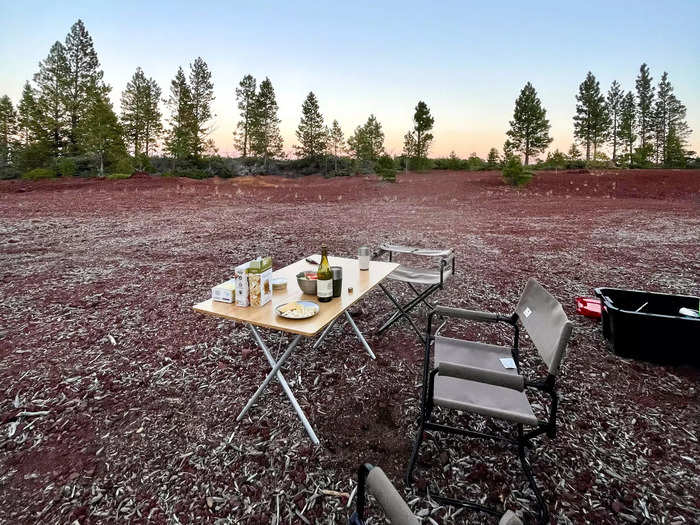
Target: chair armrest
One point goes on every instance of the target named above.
(395, 508)
(472, 315)
(482, 375)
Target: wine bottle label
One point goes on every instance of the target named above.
(324, 288)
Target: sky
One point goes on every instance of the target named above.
(467, 60)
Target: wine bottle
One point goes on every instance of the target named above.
(324, 283)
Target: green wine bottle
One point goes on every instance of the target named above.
(324, 284)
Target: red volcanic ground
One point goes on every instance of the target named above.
(118, 402)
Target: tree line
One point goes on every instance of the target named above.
(64, 123)
(642, 129)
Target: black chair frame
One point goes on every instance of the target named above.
(522, 439)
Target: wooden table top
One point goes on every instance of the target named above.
(265, 316)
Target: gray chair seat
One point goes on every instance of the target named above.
(413, 250)
(472, 353)
(408, 274)
(484, 399)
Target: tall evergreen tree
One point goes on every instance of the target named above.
(529, 129)
(668, 116)
(628, 124)
(202, 91)
(492, 160)
(140, 115)
(614, 106)
(52, 81)
(83, 74)
(266, 140)
(367, 143)
(99, 130)
(27, 125)
(245, 99)
(8, 121)
(645, 101)
(311, 132)
(179, 140)
(152, 117)
(417, 140)
(336, 142)
(591, 121)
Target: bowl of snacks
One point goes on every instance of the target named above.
(307, 282)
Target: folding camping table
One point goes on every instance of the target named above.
(265, 317)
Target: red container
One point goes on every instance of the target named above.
(588, 306)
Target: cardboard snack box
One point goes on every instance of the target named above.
(259, 287)
(240, 276)
(224, 292)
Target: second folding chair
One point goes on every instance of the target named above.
(422, 281)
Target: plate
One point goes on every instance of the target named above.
(311, 309)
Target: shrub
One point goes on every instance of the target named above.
(39, 173)
(514, 173)
(386, 168)
(124, 165)
(118, 176)
(66, 167)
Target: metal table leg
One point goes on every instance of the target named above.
(359, 335)
(282, 381)
(325, 332)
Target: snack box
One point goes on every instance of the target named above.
(259, 287)
(224, 292)
(240, 276)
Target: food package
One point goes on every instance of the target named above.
(224, 292)
(240, 276)
(259, 273)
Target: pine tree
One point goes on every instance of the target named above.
(628, 124)
(83, 73)
(202, 91)
(529, 129)
(27, 124)
(140, 116)
(574, 153)
(336, 142)
(614, 106)
(367, 143)
(417, 140)
(52, 82)
(645, 101)
(492, 160)
(592, 121)
(179, 140)
(311, 133)
(668, 116)
(8, 121)
(659, 118)
(266, 141)
(99, 131)
(152, 118)
(674, 152)
(245, 97)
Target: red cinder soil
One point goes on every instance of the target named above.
(118, 402)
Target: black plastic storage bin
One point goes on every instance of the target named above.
(656, 332)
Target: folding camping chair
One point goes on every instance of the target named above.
(430, 279)
(470, 376)
(372, 479)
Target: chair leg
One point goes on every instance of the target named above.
(403, 313)
(414, 454)
(542, 512)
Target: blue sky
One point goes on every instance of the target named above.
(467, 60)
